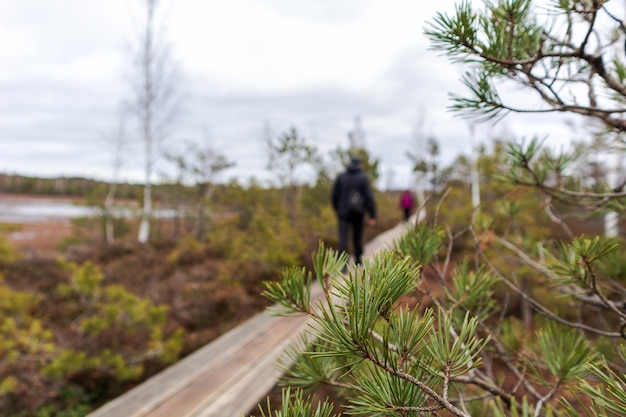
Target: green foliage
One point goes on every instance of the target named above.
(18, 184)
(525, 409)
(565, 352)
(8, 385)
(23, 337)
(185, 246)
(428, 165)
(422, 243)
(498, 40)
(369, 164)
(86, 280)
(198, 165)
(108, 319)
(85, 332)
(266, 240)
(326, 262)
(512, 335)
(71, 401)
(7, 252)
(387, 358)
(288, 154)
(297, 406)
(456, 354)
(608, 394)
(613, 263)
(78, 410)
(579, 261)
(472, 290)
(392, 360)
(520, 295)
(293, 292)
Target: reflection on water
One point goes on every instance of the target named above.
(26, 210)
(42, 211)
(35, 210)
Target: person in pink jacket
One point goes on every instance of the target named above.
(406, 204)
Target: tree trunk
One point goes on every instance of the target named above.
(147, 103)
(109, 230)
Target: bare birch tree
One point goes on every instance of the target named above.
(154, 102)
(118, 138)
(200, 164)
(287, 155)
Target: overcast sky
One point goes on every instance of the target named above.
(242, 65)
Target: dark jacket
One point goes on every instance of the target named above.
(352, 179)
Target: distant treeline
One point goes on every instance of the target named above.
(62, 186)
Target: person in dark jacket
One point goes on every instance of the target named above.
(352, 199)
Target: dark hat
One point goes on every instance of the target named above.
(355, 160)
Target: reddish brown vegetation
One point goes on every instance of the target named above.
(202, 302)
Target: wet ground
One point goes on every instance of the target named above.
(35, 223)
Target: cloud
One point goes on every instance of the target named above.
(243, 64)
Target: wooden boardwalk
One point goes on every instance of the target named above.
(227, 377)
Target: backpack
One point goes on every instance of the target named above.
(356, 202)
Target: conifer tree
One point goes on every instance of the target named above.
(460, 348)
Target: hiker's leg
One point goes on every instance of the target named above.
(344, 227)
(357, 232)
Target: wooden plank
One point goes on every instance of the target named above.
(144, 398)
(243, 360)
(230, 375)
